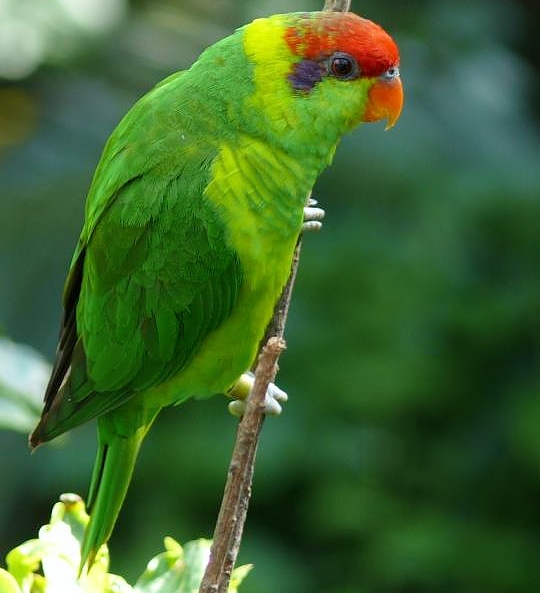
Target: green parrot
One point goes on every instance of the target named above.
(190, 226)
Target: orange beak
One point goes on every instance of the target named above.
(385, 100)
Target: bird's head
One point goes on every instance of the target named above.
(324, 67)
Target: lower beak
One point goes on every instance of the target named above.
(385, 100)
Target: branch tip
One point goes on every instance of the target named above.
(337, 5)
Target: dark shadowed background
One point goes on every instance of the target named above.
(408, 457)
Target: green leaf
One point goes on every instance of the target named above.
(176, 569)
(23, 377)
(238, 575)
(24, 560)
(8, 583)
(180, 570)
(58, 552)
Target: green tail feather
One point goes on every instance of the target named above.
(112, 473)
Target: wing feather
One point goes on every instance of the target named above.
(151, 277)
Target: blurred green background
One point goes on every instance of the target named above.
(408, 457)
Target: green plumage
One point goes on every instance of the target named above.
(151, 277)
(190, 226)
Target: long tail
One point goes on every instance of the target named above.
(113, 468)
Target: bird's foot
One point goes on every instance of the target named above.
(242, 388)
(312, 216)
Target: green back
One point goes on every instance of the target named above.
(153, 272)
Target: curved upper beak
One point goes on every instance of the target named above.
(385, 100)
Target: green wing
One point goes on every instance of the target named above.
(151, 277)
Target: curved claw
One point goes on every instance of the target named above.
(312, 216)
(241, 390)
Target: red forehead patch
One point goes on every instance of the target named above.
(316, 35)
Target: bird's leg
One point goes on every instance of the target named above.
(242, 388)
(312, 216)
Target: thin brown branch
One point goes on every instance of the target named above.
(337, 5)
(232, 514)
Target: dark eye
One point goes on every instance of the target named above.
(343, 66)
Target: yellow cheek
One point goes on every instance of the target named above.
(263, 39)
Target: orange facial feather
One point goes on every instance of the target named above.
(374, 50)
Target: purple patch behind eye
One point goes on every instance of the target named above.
(306, 74)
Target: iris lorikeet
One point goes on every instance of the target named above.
(191, 221)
